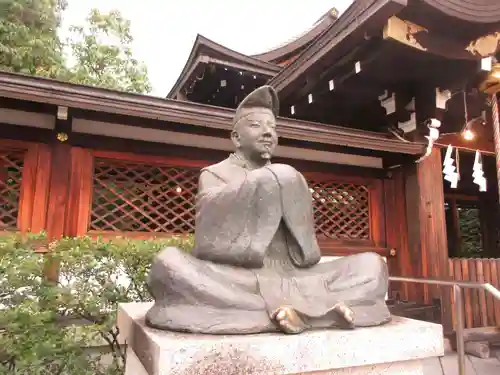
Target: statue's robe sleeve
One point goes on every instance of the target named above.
(237, 214)
(296, 201)
(239, 211)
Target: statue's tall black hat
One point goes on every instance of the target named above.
(262, 97)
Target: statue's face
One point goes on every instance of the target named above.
(255, 135)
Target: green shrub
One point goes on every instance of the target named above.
(37, 317)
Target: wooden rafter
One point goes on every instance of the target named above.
(352, 27)
(486, 45)
(419, 38)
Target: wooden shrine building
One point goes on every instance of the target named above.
(359, 94)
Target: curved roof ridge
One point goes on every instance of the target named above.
(293, 44)
(203, 42)
(237, 55)
(332, 34)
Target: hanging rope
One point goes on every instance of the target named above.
(496, 135)
(469, 149)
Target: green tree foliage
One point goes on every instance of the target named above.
(470, 233)
(97, 53)
(47, 328)
(28, 37)
(103, 55)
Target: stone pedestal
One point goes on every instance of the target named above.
(396, 348)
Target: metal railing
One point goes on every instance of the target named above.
(459, 306)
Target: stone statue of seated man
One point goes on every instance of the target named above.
(255, 266)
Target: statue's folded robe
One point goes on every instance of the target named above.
(224, 287)
(237, 221)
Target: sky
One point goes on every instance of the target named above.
(164, 30)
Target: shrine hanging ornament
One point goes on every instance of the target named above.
(433, 126)
(478, 173)
(450, 171)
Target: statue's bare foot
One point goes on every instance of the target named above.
(288, 320)
(345, 313)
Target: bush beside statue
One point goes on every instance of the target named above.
(51, 328)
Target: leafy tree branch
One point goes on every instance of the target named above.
(97, 53)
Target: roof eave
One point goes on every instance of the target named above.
(185, 70)
(296, 44)
(207, 60)
(354, 21)
(53, 92)
(203, 42)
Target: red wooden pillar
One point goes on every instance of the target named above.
(70, 194)
(427, 241)
(58, 199)
(80, 192)
(496, 134)
(33, 201)
(397, 236)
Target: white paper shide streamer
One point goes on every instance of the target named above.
(450, 171)
(433, 125)
(478, 173)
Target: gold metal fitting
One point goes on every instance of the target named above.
(62, 137)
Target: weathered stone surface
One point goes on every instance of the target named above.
(255, 266)
(479, 349)
(383, 349)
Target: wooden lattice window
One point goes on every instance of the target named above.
(341, 210)
(11, 168)
(131, 197)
